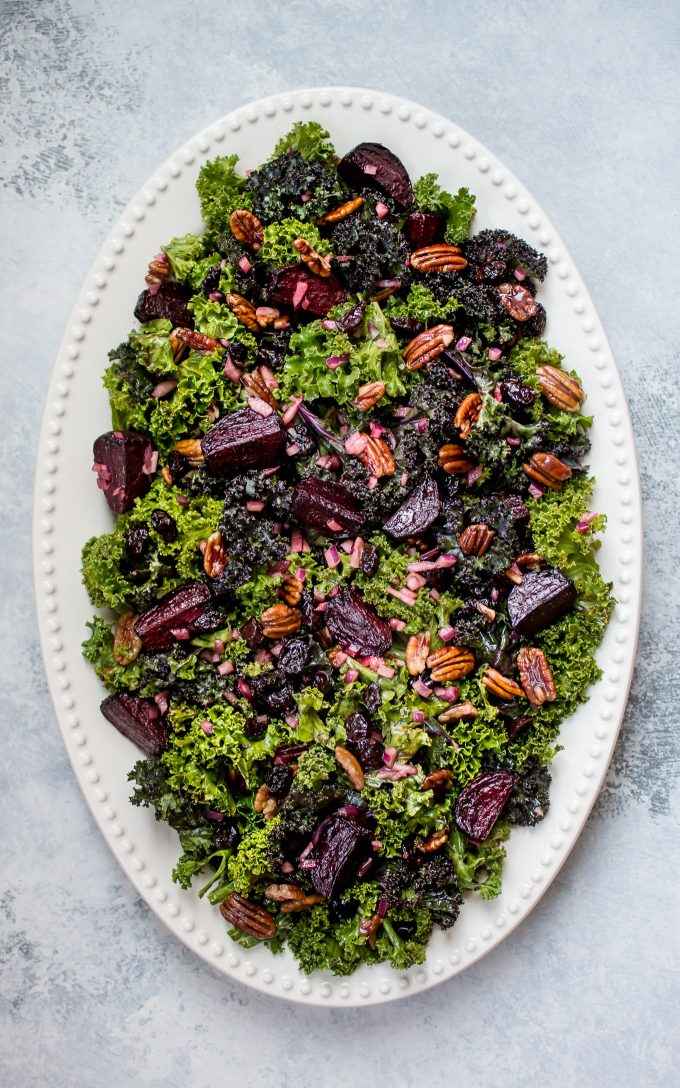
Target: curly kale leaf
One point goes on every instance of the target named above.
(277, 247)
(458, 209)
(530, 799)
(421, 305)
(221, 191)
(498, 254)
(479, 867)
(378, 250)
(190, 259)
(311, 140)
(277, 188)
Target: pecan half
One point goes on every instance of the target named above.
(243, 311)
(469, 411)
(427, 345)
(377, 457)
(195, 340)
(290, 590)
(127, 645)
(214, 559)
(547, 470)
(295, 905)
(537, 679)
(320, 266)
(440, 257)
(250, 918)
(191, 449)
(257, 387)
(456, 712)
(261, 797)
(371, 930)
(454, 460)
(528, 561)
(280, 620)
(368, 395)
(438, 781)
(246, 228)
(351, 766)
(179, 348)
(342, 212)
(267, 315)
(159, 270)
(434, 841)
(450, 663)
(417, 651)
(501, 686)
(284, 893)
(517, 301)
(476, 539)
(560, 389)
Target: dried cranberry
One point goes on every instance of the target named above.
(341, 908)
(293, 656)
(211, 280)
(517, 393)
(406, 326)
(370, 560)
(279, 780)
(210, 620)
(272, 691)
(352, 322)
(164, 525)
(481, 802)
(322, 680)
(535, 326)
(373, 697)
(226, 835)
(136, 544)
(515, 726)
(178, 466)
(251, 633)
(255, 726)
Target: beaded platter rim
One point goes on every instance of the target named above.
(537, 862)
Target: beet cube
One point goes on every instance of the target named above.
(296, 286)
(122, 461)
(416, 514)
(138, 720)
(341, 848)
(319, 505)
(244, 440)
(371, 164)
(423, 228)
(169, 301)
(177, 610)
(356, 626)
(540, 599)
(481, 802)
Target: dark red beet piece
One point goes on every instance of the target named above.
(170, 301)
(122, 461)
(356, 626)
(373, 164)
(296, 286)
(138, 720)
(423, 228)
(341, 848)
(316, 503)
(481, 802)
(540, 599)
(416, 514)
(244, 440)
(177, 609)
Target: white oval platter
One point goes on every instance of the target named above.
(69, 508)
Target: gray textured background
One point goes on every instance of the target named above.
(581, 100)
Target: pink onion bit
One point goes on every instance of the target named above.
(381, 210)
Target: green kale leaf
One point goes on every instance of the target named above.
(311, 140)
(458, 209)
(221, 191)
(277, 247)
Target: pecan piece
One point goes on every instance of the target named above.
(501, 686)
(560, 389)
(514, 574)
(261, 797)
(336, 657)
(159, 270)
(268, 315)
(476, 539)
(342, 212)
(537, 679)
(469, 411)
(450, 663)
(284, 893)
(517, 301)
(126, 643)
(196, 340)
(243, 311)
(440, 257)
(246, 228)
(434, 841)
(320, 266)
(250, 918)
(417, 651)
(458, 711)
(484, 610)
(178, 347)
(191, 449)
(528, 561)
(377, 457)
(453, 460)
(427, 345)
(351, 766)
(280, 620)
(257, 387)
(290, 590)
(547, 470)
(214, 559)
(438, 781)
(368, 395)
(370, 929)
(295, 905)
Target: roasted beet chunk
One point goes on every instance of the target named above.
(174, 612)
(373, 164)
(169, 301)
(326, 507)
(356, 626)
(423, 228)
(243, 440)
(540, 599)
(138, 720)
(416, 514)
(295, 286)
(343, 844)
(122, 461)
(481, 802)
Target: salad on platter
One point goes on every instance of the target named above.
(351, 592)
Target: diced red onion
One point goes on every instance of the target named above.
(512, 441)
(369, 168)
(382, 908)
(422, 689)
(417, 716)
(536, 490)
(495, 354)
(447, 633)
(448, 694)
(329, 324)
(215, 296)
(415, 582)
(254, 506)
(463, 344)
(403, 412)
(385, 671)
(291, 411)
(306, 197)
(333, 525)
(244, 689)
(389, 756)
(346, 545)
(473, 475)
(497, 394)
(434, 594)
(403, 479)
(372, 329)
(260, 406)
(585, 522)
(296, 540)
(376, 430)
(161, 701)
(445, 561)
(381, 210)
(350, 676)
(180, 633)
(393, 774)
(245, 265)
(287, 867)
(356, 443)
(372, 483)
(291, 720)
(422, 424)
(263, 657)
(331, 556)
(212, 815)
(292, 450)
(163, 388)
(520, 274)
(397, 625)
(334, 361)
(407, 596)
(299, 293)
(364, 867)
(207, 727)
(225, 668)
(383, 344)
(231, 371)
(356, 553)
